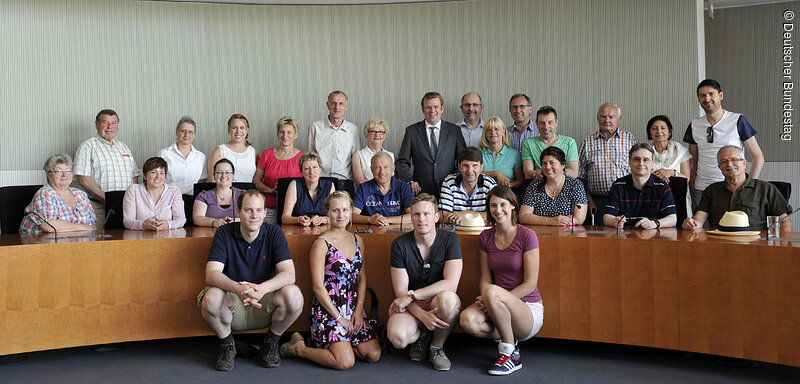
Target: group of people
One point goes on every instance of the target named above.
(250, 285)
(527, 173)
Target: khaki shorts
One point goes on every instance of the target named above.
(246, 318)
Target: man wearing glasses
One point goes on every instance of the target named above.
(523, 128)
(472, 124)
(739, 192)
(104, 164)
(426, 267)
(641, 199)
(718, 128)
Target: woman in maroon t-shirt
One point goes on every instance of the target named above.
(509, 308)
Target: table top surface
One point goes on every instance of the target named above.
(673, 234)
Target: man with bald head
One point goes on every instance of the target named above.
(739, 192)
(603, 157)
(472, 124)
(384, 199)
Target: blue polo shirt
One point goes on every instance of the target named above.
(654, 201)
(370, 200)
(249, 262)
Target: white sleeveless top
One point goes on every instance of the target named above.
(366, 154)
(244, 164)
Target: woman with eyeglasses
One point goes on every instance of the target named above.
(153, 206)
(339, 331)
(278, 162)
(65, 208)
(671, 158)
(187, 165)
(217, 206)
(376, 131)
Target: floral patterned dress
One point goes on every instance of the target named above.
(341, 281)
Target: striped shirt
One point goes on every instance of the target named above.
(604, 161)
(49, 205)
(518, 137)
(454, 198)
(653, 201)
(111, 166)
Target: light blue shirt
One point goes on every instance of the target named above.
(471, 136)
(506, 162)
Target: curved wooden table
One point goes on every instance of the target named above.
(669, 289)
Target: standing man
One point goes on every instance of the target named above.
(641, 196)
(431, 145)
(426, 267)
(521, 108)
(465, 192)
(603, 157)
(718, 128)
(335, 139)
(383, 200)
(249, 282)
(104, 164)
(472, 124)
(547, 122)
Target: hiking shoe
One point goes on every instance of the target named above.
(439, 359)
(225, 357)
(286, 348)
(419, 348)
(270, 357)
(506, 364)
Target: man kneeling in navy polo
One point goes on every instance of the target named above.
(250, 282)
(384, 199)
(641, 199)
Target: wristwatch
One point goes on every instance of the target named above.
(411, 294)
(658, 223)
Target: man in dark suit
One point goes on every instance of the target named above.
(431, 146)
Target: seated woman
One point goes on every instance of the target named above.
(555, 199)
(338, 329)
(187, 165)
(304, 199)
(238, 150)
(153, 206)
(509, 307)
(65, 208)
(278, 162)
(500, 161)
(376, 131)
(671, 158)
(217, 206)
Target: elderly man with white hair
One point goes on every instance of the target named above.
(739, 192)
(384, 199)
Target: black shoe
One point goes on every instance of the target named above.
(227, 352)
(270, 357)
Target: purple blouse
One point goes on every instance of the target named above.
(214, 210)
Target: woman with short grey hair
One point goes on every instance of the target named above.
(187, 165)
(57, 206)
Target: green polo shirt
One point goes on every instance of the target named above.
(532, 149)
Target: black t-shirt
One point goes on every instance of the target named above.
(406, 255)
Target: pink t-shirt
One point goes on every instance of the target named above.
(274, 169)
(506, 265)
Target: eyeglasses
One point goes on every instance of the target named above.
(377, 133)
(710, 134)
(516, 107)
(226, 173)
(734, 160)
(62, 173)
(471, 105)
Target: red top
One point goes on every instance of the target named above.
(274, 169)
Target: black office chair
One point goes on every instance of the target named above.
(114, 201)
(679, 187)
(343, 185)
(13, 200)
(784, 187)
(188, 206)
